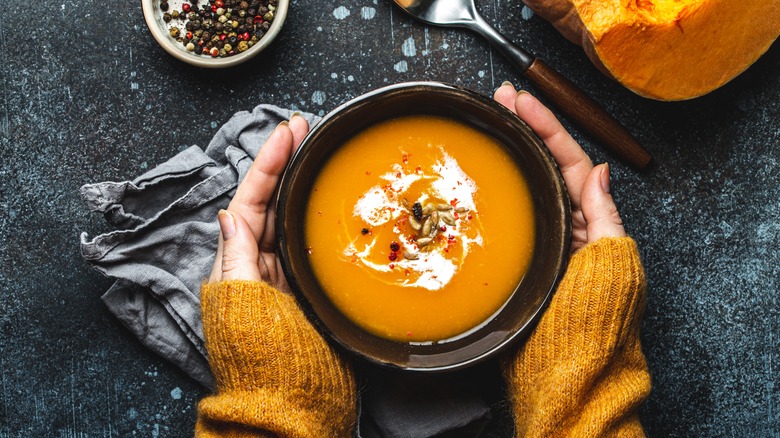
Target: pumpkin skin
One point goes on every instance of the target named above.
(667, 49)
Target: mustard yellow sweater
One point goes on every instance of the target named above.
(581, 372)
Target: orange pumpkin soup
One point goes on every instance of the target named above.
(420, 228)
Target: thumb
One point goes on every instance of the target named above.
(601, 215)
(240, 254)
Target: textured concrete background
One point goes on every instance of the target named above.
(87, 95)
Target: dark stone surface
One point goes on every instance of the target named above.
(87, 95)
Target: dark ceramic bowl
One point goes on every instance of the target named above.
(551, 205)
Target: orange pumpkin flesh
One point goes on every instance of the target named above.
(667, 49)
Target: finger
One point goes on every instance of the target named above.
(299, 128)
(255, 191)
(601, 215)
(574, 163)
(240, 255)
(506, 95)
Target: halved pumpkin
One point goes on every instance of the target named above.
(667, 49)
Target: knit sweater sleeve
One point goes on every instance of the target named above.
(275, 375)
(582, 371)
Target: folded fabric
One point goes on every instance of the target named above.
(164, 246)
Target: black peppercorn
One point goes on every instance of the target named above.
(164, 6)
(233, 40)
(417, 211)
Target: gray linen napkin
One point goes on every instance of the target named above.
(163, 248)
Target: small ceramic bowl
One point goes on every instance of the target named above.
(551, 204)
(161, 32)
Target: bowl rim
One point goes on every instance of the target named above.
(175, 49)
(562, 256)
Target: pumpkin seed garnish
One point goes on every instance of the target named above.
(426, 227)
(423, 241)
(444, 207)
(447, 218)
(408, 255)
(414, 223)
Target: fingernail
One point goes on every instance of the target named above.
(283, 123)
(295, 113)
(505, 83)
(605, 178)
(227, 223)
(521, 92)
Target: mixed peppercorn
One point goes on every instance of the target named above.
(219, 28)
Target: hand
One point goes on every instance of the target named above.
(246, 249)
(594, 214)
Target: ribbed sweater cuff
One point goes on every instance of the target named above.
(582, 371)
(269, 362)
(598, 302)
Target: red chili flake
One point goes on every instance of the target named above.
(454, 202)
(469, 217)
(455, 214)
(460, 183)
(406, 271)
(408, 333)
(406, 158)
(392, 266)
(394, 246)
(185, 7)
(308, 250)
(398, 174)
(419, 169)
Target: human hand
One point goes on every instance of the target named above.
(594, 214)
(246, 249)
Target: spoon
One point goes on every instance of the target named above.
(578, 106)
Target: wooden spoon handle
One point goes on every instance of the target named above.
(588, 114)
